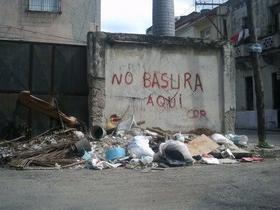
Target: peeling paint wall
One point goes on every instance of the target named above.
(172, 83)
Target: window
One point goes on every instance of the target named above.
(225, 28)
(44, 5)
(205, 33)
(245, 22)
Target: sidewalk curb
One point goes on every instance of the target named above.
(266, 153)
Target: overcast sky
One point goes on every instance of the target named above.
(134, 16)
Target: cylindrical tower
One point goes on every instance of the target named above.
(163, 18)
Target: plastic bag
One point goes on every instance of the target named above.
(220, 139)
(126, 125)
(210, 160)
(174, 153)
(239, 140)
(179, 137)
(139, 147)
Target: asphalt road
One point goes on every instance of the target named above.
(241, 186)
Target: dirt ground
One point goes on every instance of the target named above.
(241, 186)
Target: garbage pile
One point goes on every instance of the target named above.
(124, 143)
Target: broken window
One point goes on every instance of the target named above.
(44, 6)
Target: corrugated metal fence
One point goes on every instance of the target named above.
(48, 71)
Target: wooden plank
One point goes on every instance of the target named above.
(46, 108)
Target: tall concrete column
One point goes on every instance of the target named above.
(163, 18)
(96, 77)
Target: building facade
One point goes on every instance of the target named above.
(207, 24)
(43, 49)
(50, 21)
(229, 22)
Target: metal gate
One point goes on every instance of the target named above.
(48, 71)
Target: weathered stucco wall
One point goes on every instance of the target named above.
(70, 26)
(172, 83)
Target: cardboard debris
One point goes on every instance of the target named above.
(201, 145)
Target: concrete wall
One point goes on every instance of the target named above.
(77, 17)
(172, 83)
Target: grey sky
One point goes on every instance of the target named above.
(134, 16)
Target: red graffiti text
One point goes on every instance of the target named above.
(172, 81)
(123, 78)
(196, 113)
(165, 102)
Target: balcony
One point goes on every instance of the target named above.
(268, 43)
(271, 42)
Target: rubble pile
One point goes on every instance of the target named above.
(121, 142)
(126, 144)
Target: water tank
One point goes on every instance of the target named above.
(163, 18)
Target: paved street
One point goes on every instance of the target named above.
(241, 186)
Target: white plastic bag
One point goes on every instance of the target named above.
(139, 147)
(179, 137)
(210, 160)
(220, 139)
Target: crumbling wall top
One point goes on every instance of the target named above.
(113, 38)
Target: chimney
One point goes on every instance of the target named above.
(163, 18)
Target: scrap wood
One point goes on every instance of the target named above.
(50, 162)
(66, 131)
(140, 123)
(53, 168)
(40, 168)
(45, 150)
(43, 162)
(74, 164)
(40, 105)
(42, 134)
(201, 145)
(12, 140)
(200, 131)
(160, 132)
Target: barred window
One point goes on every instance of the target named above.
(44, 5)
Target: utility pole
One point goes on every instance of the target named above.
(255, 58)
